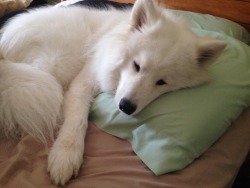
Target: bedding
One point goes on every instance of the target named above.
(7, 6)
(111, 162)
(214, 23)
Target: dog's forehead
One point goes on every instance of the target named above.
(161, 53)
(162, 45)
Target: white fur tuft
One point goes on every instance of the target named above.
(30, 101)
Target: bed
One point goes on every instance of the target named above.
(114, 161)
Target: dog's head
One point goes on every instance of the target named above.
(162, 55)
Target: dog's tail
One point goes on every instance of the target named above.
(30, 101)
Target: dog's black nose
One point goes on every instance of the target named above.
(126, 106)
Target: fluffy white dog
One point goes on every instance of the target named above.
(57, 60)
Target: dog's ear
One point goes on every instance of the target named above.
(209, 50)
(144, 12)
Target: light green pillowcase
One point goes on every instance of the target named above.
(213, 23)
(178, 127)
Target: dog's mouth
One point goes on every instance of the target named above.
(126, 106)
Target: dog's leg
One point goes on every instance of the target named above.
(66, 155)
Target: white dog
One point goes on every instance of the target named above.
(137, 54)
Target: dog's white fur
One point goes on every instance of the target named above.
(61, 58)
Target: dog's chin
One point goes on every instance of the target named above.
(132, 114)
(136, 112)
(128, 114)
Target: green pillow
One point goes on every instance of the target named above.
(213, 23)
(178, 127)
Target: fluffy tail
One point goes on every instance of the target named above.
(30, 101)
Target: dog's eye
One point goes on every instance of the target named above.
(137, 67)
(160, 82)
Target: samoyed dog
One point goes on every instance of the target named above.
(54, 61)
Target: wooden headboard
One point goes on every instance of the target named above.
(235, 10)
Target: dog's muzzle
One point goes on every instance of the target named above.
(126, 106)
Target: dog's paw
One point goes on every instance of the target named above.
(63, 163)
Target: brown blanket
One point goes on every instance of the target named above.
(7, 6)
(110, 162)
